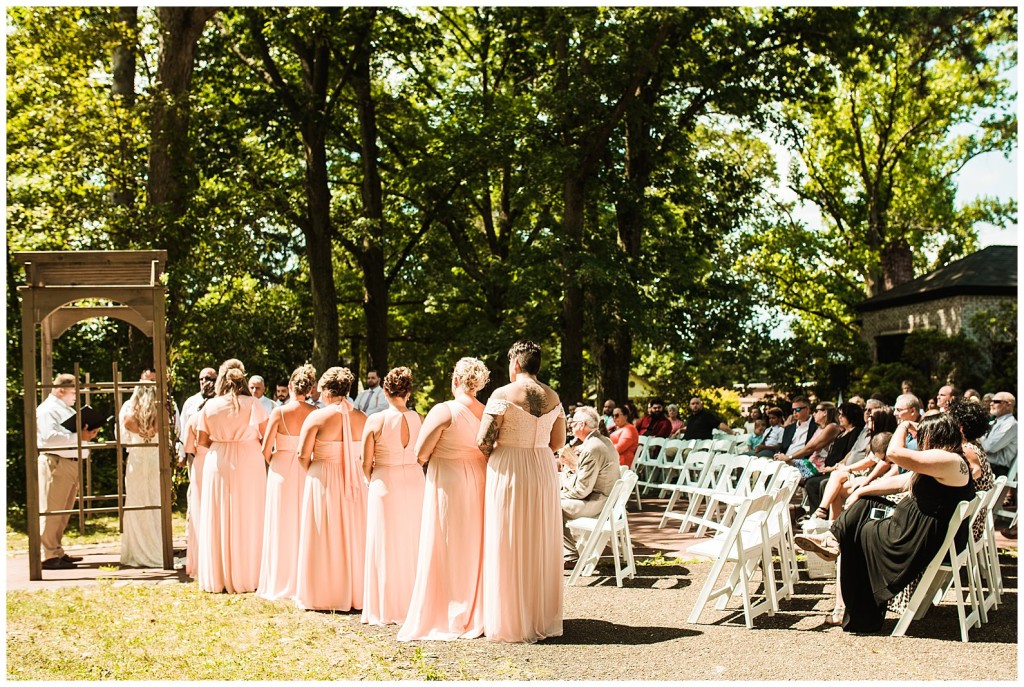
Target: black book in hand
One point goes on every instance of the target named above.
(91, 419)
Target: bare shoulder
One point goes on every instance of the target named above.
(551, 398)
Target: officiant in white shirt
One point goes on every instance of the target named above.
(371, 399)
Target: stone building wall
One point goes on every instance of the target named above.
(948, 315)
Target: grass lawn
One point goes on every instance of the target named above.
(176, 632)
(99, 529)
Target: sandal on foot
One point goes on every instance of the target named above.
(821, 513)
(825, 547)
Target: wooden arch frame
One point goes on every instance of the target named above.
(56, 280)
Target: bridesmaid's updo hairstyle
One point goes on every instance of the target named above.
(940, 432)
(336, 381)
(398, 382)
(231, 382)
(472, 374)
(303, 379)
(527, 354)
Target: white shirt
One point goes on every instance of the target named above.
(799, 437)
(268, 404)
(49, 432)
(772, 437)
(371, 401)
(188, 409)
(1000, 443)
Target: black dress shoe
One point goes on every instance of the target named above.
(70, 559)
(57, 564)
(569, 564)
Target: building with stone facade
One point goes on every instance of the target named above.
(944, 299)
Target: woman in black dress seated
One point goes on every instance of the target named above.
(880, 556)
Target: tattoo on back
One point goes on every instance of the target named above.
(963, 467)
(536, 397)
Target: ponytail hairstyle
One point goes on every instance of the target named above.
(231, 381)
(142, 405)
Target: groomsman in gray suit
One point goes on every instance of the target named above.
(587, 475)
(371, 399)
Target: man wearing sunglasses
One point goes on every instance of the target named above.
(796, 435)
(207, 384)
(1001, 441)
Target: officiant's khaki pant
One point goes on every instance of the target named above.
(58, 484)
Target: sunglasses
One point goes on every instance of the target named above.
(207, 379)
(797, 410)
(994, 402)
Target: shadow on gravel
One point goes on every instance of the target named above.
(589, 632)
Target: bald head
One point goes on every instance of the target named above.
(946, 394)
(1002, 403)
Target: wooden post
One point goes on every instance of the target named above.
(28, 364)
(160, 362)
(78, 447)
(118, 450)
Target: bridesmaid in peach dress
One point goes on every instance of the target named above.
(195, 491)
(285, 482)
(447, 597)
(523, 424)
(332, 523)
(395, 503)
(234, 485)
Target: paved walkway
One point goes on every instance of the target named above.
(101, 561)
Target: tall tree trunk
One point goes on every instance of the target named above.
(170, 175)
(371, 257)
(571, 373)
(318, 232)
(123, 92)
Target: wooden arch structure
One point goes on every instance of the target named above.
(126, 284)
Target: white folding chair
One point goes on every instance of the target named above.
(652, 461)
(675, 451)
(731, 478)
(691, 473)
(744, 549)
(694, 491)
(611, 526)
(780, 534)
(988, 577)
(947, 562)
(1011, 483)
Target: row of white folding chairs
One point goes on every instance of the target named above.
(760, 526)
(657, 460)
(972, 573)
(718, 482)
(610, 527)
(1011, 483)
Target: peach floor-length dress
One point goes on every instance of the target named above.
(522, 529)
(394, 511)
(332, 526)
(195, 496)
(286, 480)
(234, 494)
(447, 597)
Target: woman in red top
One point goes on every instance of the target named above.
(625, 436)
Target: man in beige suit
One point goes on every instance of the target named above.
(587, 476)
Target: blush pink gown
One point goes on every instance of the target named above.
(447, 597)
(195, 495)
(332, 526)
(393, 515)
(285, 482)
(522, 529)
(233, 496)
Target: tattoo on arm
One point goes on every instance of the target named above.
(536, 397)
(963, 467)
(487, 443)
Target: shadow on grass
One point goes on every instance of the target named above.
(589, 632)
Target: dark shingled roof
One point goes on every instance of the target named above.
(991, 271)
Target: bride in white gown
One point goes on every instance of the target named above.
(141, 543)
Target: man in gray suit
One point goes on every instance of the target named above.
(587, 475)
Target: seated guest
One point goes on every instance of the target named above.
(702, 422)
(799, 426)
(606, 414)
(822, 429)
(880, 556)
(771, 443)
(757, 436)
(587, 476)
(655, 424)
(753, 415)
(677, 422)
(624, 436)
(851, 423)
(846, 479)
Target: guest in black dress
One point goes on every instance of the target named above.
(881, 556)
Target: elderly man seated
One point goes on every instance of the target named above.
(587, 475)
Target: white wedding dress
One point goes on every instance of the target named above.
(141, 543)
